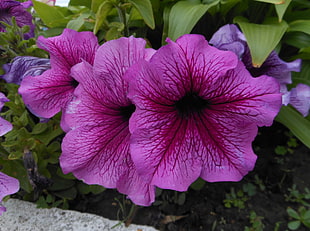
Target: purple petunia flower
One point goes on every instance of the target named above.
(230, 38)
(197, 113)
(96, 150)
(12, 8)
(47, 94)
(22, 66)
(300, 98)
(8, 185)
(5, 126)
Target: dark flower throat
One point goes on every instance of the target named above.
(191, 103)
(127, 111)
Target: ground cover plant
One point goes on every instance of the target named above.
(183, 115)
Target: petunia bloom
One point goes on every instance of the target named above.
(22, 66)
(197, 113)
(96, 150)
(12, 8)
(230, 38)
(300, 98)
(47, 94)
(5, 126)
(8, 185)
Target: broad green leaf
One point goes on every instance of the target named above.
(226, 5)
(281, 8)
(261, 38)
(297, 124)
(272, 1)
(184, 15)
(146, 11)
(297, 39)
(49, 15)
(102, 14)
(300, 25)
(86, 3)
(95, 4)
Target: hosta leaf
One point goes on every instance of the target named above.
(261, 38)
(297, 124)
(184, 15)
(146, 11)
(300, 25)
(281, 8)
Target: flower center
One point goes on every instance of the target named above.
(191, 103)
(127, 111)
(74, 83)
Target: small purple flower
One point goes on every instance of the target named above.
(300, 98)
(230, 38)
(96, 150)
(197, 113)
(5, 126)
(12, 8)
(8, 185)
(47, 94)
(23, 66)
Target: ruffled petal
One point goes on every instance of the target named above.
(300, 98)
(8, 186)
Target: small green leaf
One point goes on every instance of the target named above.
(102, 13)
(292, 213)
(146, 11)
(50, 15)
(300, 25)
(293, 225)
(261, 38)
(297, 124)
(281, 8)
(39, 128)
(184, 15)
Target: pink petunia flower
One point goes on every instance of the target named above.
(8, 185)
(47, 94)
(197, 113)
(96, 150)
(5, 126)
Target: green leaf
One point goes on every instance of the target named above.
(292, 213)
(95, 4)
(77, 23)
(49, 15)
(304, 75)
(261, 38)
(272, 1)
(39, 128)
(102, 13)
(86, 3)
(297, 124)
(293, 225)
(281, 8)
(146, 11)
(184, 15)
(198, 184)
(300, 25)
